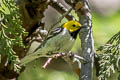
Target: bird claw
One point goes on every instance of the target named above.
(76, 57)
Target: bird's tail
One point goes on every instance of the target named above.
(28, 58)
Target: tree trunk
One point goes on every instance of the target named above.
(87, 42)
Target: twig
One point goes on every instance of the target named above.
(50, 59)
(47, 62)
(61, 9)
(53, 25)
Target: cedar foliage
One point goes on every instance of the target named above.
(11, 32)
(109, 56)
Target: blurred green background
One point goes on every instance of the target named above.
(105, 24)
(104, 27)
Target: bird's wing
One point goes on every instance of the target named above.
(53, 33)
(33, 56)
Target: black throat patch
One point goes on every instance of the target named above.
(74, 34)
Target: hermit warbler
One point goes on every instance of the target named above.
(61, 40)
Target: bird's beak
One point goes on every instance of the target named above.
(82, 27)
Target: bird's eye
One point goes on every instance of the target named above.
(73, 25)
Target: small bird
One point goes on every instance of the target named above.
(61, 40)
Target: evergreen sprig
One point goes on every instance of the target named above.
(109, 57)
(11, 31)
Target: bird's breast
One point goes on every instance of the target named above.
(62, 42)
(65, 42)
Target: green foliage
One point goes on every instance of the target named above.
(109, 57)
(11, 31)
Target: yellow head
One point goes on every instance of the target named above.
(72, 25)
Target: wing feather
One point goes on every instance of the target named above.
(53, 33)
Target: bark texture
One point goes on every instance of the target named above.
(87, 42)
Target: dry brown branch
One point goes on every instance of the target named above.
(61, 9)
